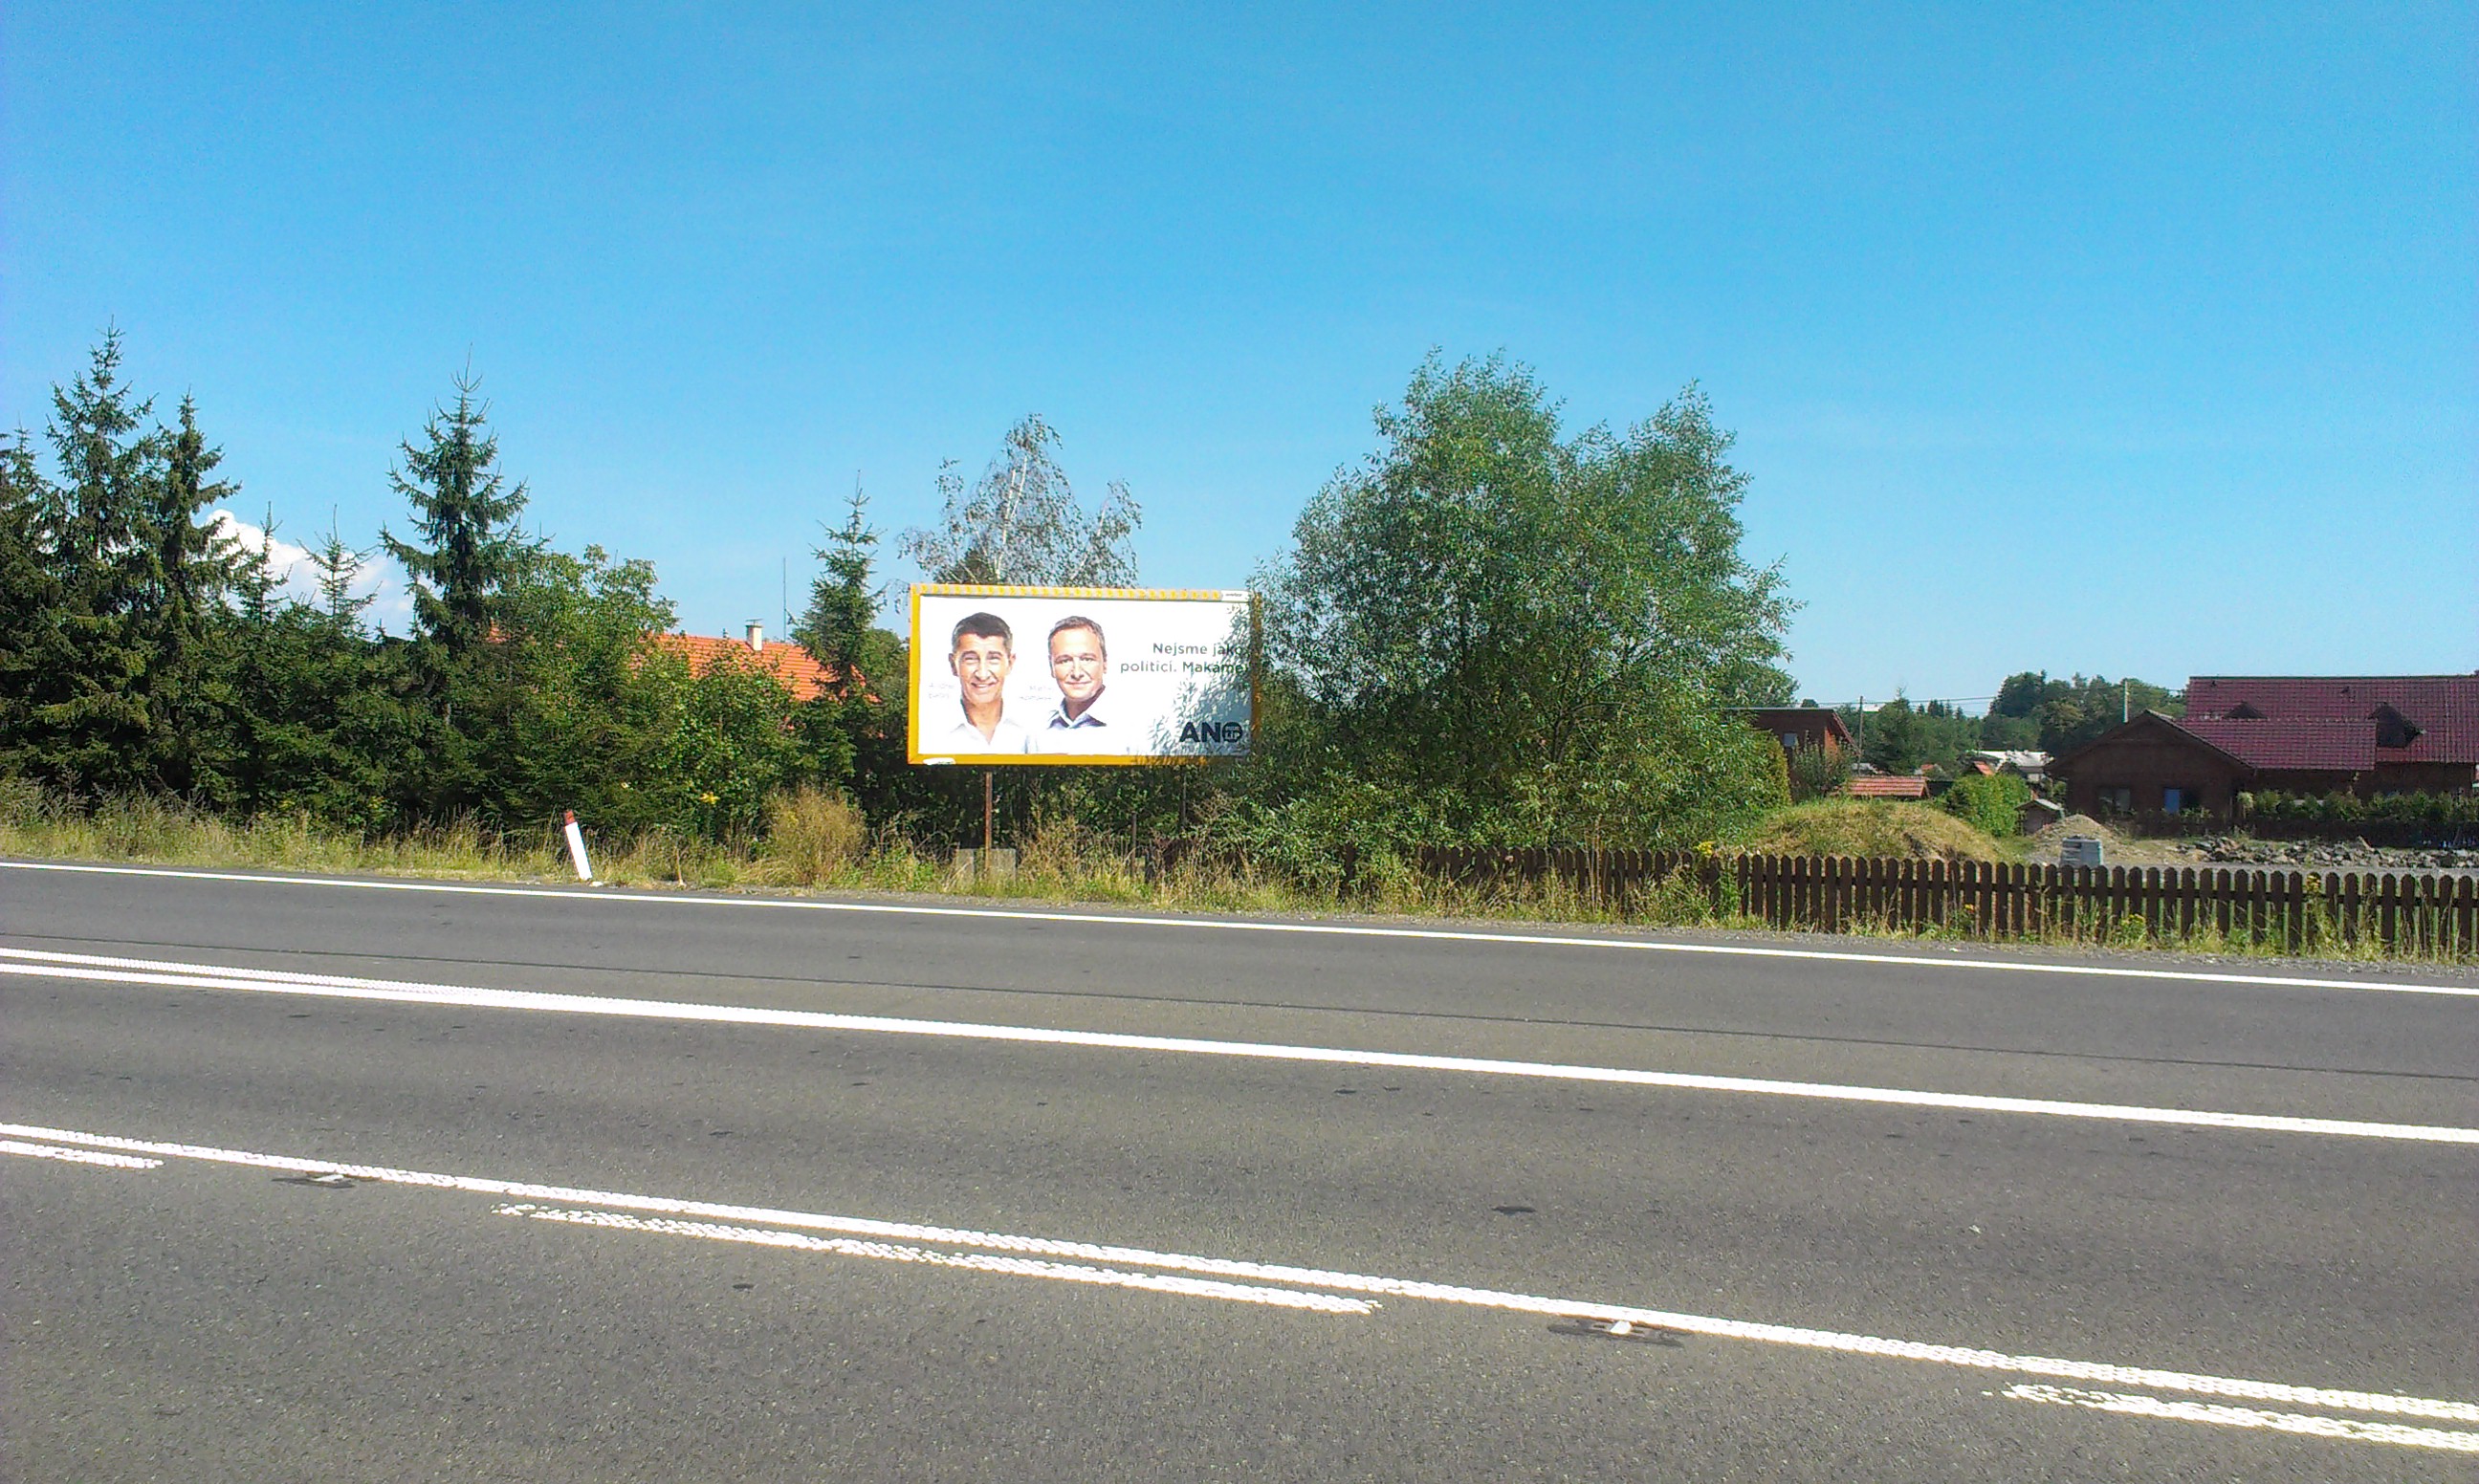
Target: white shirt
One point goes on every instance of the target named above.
(1093, 731)
(966, 740)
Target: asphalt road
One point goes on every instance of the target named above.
(380, 1181)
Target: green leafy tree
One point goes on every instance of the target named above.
(2009, 733)
(2034, 709)
(1021, 522)
(2022, 693)
(1991, 801)
(571, 705)
(324, 723)
(1494, 635)
(1817, 772)
(737, 742)
(1894, 739)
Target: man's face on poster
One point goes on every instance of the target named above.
(1077, 665)
(981, 663)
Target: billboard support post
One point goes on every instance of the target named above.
(986, 814)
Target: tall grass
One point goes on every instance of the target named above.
(36, 822)
(816, 840)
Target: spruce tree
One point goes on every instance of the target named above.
(339, 567)
(843, 601)
(472, 549)
(87, 725)
(189, 565)
(33, 651)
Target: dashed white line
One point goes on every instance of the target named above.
(2344, 1428)
(2236, 1387)
(976, 1261)
(48, 964)
(76, 1156)
(1242, 925)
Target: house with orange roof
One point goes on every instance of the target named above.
(800, 672)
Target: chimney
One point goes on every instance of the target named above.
(756, 635)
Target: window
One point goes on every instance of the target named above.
(2119, 801)
(2178, 799)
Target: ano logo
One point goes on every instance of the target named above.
(1225, 733)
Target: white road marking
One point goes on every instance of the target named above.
(2428, 1407)
(978, 1261)
(47, 965)
(2347, 1428)
(76, 1156)
(1240, 925)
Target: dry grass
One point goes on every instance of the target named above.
(818, 841)
(32, 823)
(812, 836)
(1871, 829)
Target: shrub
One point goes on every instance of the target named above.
(812, 834)
(1991, 802)
(1817, 773)
(2408, 809)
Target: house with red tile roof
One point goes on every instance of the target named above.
(2425, 726)
(2317, 734)
(799, 671)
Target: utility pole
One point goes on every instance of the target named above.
(2123, 712)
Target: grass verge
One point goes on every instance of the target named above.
(816, 842)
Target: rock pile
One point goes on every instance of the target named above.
(2326, 855)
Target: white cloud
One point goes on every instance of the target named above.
(297, 577)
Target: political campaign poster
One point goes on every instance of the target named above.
(1080, 674)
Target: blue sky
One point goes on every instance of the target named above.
(2141, 340)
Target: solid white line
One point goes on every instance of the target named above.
(1240, 925)
(47, 965)
(2243, 1389)
(2348, 1430)
(76, 1156)
(978, 1261)
(75, 966)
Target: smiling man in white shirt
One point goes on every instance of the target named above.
(981, 654)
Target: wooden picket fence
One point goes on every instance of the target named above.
(2408, 914)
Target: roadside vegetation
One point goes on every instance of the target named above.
(820, 843)
(1493, 632)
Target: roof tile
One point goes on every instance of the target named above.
(2443, 708)
(2329, 746)
(799, 671)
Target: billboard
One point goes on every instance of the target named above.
(1080, 674)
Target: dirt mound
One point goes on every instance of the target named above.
(2050, 838)
(1871, 828)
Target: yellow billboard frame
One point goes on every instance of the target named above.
(913, 753)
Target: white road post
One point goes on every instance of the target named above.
(577, 848)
